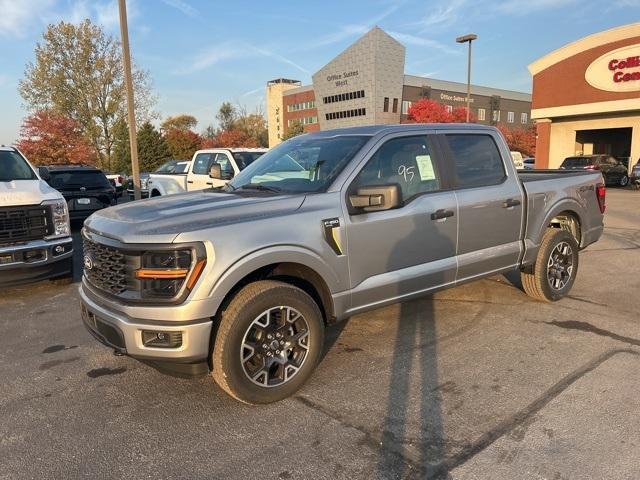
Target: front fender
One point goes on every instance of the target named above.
(269, 256)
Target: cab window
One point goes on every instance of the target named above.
(202, 163)
(405, 161)
(477, 160)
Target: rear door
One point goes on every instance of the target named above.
(489, 198)
(396, 253)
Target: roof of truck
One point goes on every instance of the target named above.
(404, 127)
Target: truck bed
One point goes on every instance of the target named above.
(527, 176)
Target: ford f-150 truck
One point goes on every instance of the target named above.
(197, 177)
(35, 236)
(242, 280)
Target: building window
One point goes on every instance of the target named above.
(510, 117)
(449, 108)
(395, 105)
(343, 97)
(303, 121)
(405, 106)
(356, 112)
(523, 118)
(385, 108)
(295, 107)
(496, 115)
(482, 114)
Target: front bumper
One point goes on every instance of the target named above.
(124, 334)
(35, 260)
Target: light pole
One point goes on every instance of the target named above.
(126, 59)
(468, 38)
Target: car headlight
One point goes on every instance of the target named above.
(164, 273)
(144, 183)
(59, 217)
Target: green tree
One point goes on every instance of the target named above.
(254, 126)
(153, 150)
(294, 130)
(226, 116)
(78, 72)
(180, 122)
(121, 154)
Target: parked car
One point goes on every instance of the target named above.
(229, 161)
(144, 188)
(323, 227)
(86, 189)
(635, 175)
(170, 178)
(168, 168)
(614, 172)
(529, 163)
(117, 181)
(517, 160)
(35, 235)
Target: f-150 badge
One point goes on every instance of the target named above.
(332, 234)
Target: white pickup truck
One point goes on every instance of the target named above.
(231, 161)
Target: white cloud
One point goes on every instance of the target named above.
(4, 80)
(183, 6)
(442, 15)
(17, 17)
(525, 7)
(409, 39)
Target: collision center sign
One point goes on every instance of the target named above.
(616, 71)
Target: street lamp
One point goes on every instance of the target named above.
(468, 38)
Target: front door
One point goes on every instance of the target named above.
(398, 253)
(198, 178)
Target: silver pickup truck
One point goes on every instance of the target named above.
(242, 280)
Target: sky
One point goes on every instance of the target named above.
(200, 53)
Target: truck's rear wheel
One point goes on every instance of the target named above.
(269, 342)
(556, 267)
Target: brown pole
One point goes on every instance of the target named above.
(126, 59)
(469, 82)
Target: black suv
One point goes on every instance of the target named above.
(613, 171)
(86, 189)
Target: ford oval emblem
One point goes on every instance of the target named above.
(83, 189)
(88, 262)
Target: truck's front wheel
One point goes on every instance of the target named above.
(556, 267)
(268, 343)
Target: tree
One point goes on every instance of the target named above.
(153, 150)
(182, 143)
(293, 131)
(78, 72)
(429, 111)
(226, 116)
(253, 125)
(520, 139)
(233, 138)
(180, 122)
(48, 138)
(121, 154)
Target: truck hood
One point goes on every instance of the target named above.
(26, 192)
(162, 219)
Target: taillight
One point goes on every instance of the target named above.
(120, 180)
(601, 193)
(592, 167)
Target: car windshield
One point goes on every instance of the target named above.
(300, 165)
(14, 167)
(87, 179)
(173, 166)
(576, 162)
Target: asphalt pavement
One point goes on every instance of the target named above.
(476, 382)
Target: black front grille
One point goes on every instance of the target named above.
(105, 267)
(22, 224)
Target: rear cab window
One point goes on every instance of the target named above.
(87, 179)
(477, 160)
(576, 162)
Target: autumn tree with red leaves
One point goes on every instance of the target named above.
(429, 111)
(182, 143)
(49, 138)
(520, 139)
(233, 138)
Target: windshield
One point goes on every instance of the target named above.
(14, 167)
(87, 179)
(300, 165)
(173, 166)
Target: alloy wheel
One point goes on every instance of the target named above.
(275, 346)
(560, 266)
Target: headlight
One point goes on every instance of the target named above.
(164, 273)
(144, 183)
(59, 217)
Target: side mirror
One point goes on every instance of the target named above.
(215, 171)
(44, 173)
(374, 199)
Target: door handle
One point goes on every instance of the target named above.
(441, 214)
(189, 181)
(209, 183)
(511, 202)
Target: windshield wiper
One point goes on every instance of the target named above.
(259, 187)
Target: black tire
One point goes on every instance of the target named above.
(238, 321)
(624, 181)
(536, 280)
